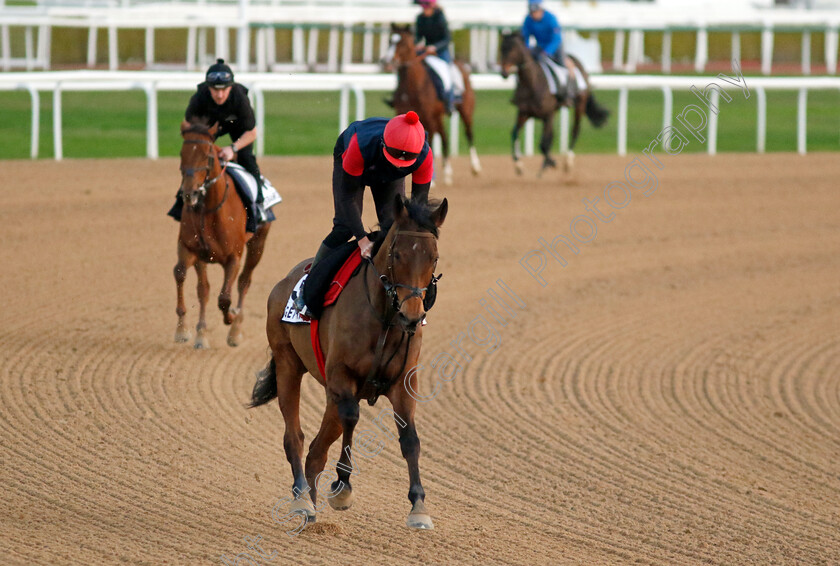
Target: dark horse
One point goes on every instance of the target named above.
(533, 99)
(212, 231)
(416, 91)
(377, 317)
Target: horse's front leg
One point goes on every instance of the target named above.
(545, 144)
(580, 106)
(185, 261)
(254, 253)
(231, 268)
(521, 118)
(203, 288)
(404, 406)
(341, 497)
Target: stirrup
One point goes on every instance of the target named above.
(300, 305)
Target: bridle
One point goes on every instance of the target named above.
(208, 181)
(393, 304)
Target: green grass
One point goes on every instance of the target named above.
(113, 124)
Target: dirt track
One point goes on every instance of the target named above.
(671, 396)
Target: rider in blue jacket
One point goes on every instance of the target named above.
(545, 28)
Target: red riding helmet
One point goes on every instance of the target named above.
(404, 138)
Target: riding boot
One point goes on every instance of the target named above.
(178, 207)
(300, 303)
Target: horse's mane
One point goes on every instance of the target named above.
(418, 211)
(197, 127)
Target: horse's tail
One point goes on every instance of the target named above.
(596, 113)
(265, 389)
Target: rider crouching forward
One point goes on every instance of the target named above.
(376, 153)
(221, 100)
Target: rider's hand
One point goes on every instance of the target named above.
(226, 154)
(431, 50)
(366, 246)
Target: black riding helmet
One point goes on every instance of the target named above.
(219, 75)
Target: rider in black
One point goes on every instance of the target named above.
(221, 100)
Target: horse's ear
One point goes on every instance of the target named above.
(439, 215)
(212, 129)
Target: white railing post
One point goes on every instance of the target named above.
(259, 97)
(623, 95)
(36, 120)
(713, 123)
(347, 47)
(801, 121)
(91, 47)
(191, 49)
(528, 134)
(618, 50)
(113, 48)
(312, 49)
(58, 150)
(454, 133)
(667, 113)
(701, 49)
(344, 108)
(666, 51)
(564, 130)
(298, 46)
(332, 50)
(5, 47)
(243, 38)
(150, 46)
(831, 50)
(152, 147)
(767, 50)
(44, 42)
(761, 126)
(806, 52)
(360, 102)
(29, 48)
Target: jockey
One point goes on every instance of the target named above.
(376, 153)
(544, 27)
(220, 100)
(432, 28)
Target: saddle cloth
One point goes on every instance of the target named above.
(555, 74)
(337, 283)
(247, 187)
(448, 74)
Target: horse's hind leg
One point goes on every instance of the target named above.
(444, 142)
(185, 261)
(466, 109)
(289, 371)
(203, 288)
(254, 253)
(580, 106)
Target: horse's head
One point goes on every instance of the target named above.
(401, 49)
(411, 254)
(514, 53)
(199, 161)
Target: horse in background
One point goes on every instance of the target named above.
(212, 230)
(371, 338)
(533, 99)
(416, 91)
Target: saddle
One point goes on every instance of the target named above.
(329, 277)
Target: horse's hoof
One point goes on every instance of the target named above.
(182, 336)
(342, 500)
(303, 506)
(234, 341)
(419, 521)
(519, 168)
(201, 344)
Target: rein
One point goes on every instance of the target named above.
(392, 308)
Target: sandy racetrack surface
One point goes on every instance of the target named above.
(670, 396)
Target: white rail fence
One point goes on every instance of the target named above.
(356, 30)
(56, 83)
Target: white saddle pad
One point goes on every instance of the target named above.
(290, 313)
(246, 180)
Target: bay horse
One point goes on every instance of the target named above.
(378, 316)
(533, 99)
(416, 91)
(212, 231)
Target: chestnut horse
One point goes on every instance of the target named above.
(416, 91)
(533, 99)
(212, 231)
(371, 341)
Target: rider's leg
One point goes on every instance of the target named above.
(246, 158)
